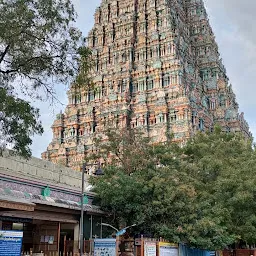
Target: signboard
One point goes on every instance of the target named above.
(168, 249)
(137, 241)
(104, 247)
(15, 220)
(10, 243)
(149, 248)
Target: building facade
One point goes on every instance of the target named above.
(44, 202)
(158, 69)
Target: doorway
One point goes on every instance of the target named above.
(66, 242)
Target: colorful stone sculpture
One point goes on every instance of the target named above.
(158, 69)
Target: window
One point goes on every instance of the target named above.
(123, 89)
(204, 75)
(77, 98)
(135, 87)
(151, 53)
(124, 57)
(103, 91)
(173, 116)
(117, 10)
(212, 103)
(91, 96)
(109, 12)
(113, 31)
(141, 86)
(174, 79)
(72, 132)
(95, 41)
(163, 50)
(159, 22)
(222, 101)
(150, 84)
(193, 117)
(161, 118)
(166, 80)
(104, 37)
(201, 124)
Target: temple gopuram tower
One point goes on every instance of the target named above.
(157, 68)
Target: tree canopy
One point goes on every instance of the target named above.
(39, 47)
(201, 194)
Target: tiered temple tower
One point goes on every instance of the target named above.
(158, 69)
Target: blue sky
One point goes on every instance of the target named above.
(233, 23)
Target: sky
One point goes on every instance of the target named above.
(233, 22)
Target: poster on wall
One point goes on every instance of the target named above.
(168, 249)
(149, 249)
(105, 247)
(51, 240)
(10, 243)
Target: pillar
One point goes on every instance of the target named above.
(76, 238)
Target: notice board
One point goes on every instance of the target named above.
(105, 247)
(10, 243)
(149, 248)
(168, 249)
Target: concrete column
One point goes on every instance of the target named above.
(76, 238)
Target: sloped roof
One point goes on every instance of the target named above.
(28, 198)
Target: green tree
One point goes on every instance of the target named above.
(200, 194)
(122, 190)
(39, 47)
(18, 122)
(142, 184)
(224, 165)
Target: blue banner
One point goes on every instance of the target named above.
(10, 243)
(186, 251)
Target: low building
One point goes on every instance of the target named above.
(44, 201)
